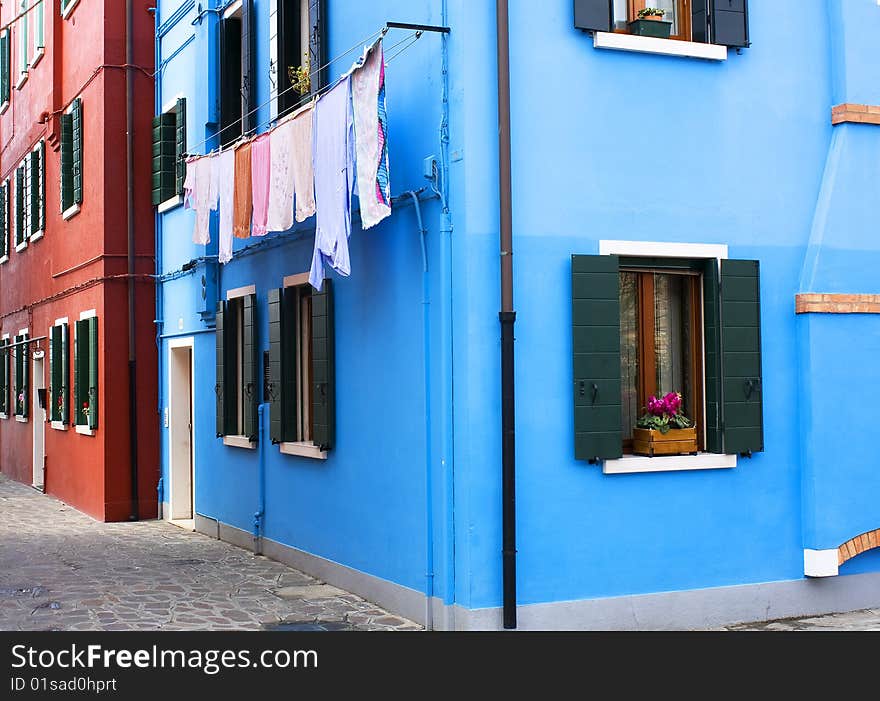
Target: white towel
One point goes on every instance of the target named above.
(303, 169)
(281, 181)
(226, 189)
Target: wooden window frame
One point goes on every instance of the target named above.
(683, 8)
(647, 371)
(302, 358)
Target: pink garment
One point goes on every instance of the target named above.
(303, 168)
(226, 188)
(260, 173)
(200, 194)
(281, 183)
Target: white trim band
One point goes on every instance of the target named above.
(632, 464)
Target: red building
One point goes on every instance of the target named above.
(77, 260)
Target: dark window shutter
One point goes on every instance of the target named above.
(17, 380)
(77, 160)
(595, 297)
(323, 369)
(19, 205)
(65, 374)
(289, 54)
(230, 80)
(4, 66)
(41, 208)
(730, 22)
(180, 145)
(66, 162)
(4, 377)
(77, 361)
(741, 357)
(55, 373)
(700, 21)
(248, 66)
(593, 15)
(250, 366)
(164, 156)
(220, 386)
(276, 369)
(4, 221)
(34, 186)
(81, 407)
(318, 43)
(25, 375)
(93, 372)
(712, 353)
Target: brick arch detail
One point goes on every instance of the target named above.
(858, 545)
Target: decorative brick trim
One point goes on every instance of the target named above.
(858, 545)
(818, 303)
(858, 114)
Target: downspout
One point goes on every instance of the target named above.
(259, 515)
(132, 353)
(507, 317)
(429, 487)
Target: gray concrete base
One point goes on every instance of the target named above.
(681, 610)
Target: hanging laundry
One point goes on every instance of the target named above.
(333, 162)
(281, 183)
(370, 127)
(200, 194)
(303, 171)
(225, 173)
(243, 204)
(260, 170)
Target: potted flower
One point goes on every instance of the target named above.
(650, 23)
(663, 429)
(85, 411)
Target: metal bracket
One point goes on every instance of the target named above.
(418, 27)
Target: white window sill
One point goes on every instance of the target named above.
(37, 235)
(84, 430)
(666, 47)
(4, 416)
(667, 463)
(20, 247)
(69, 212)
(37, 56)
(65, 13)
(170, 203)
(239, 442)
(21, 419)
(4, 107)
(303, 450)
(22, 79)
(3, 259)
(58, 425)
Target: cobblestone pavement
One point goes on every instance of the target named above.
(61, 570)
(868, 619)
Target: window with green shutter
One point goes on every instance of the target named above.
(23, 45)
(85, 373)
(36, 187)
(4, 376)
(5, 80)
(4, 221)
(59, 369)
(237, 385)
(66, 162)
(301, 383)
(649, 326)
(21, 390)
(169, 150)
(71, 157)
(20, 201)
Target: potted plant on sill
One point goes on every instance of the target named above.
(650, 23)
(663, 429)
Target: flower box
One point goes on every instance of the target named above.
(675, 441)
(657, 28)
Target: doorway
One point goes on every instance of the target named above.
(38, 411)
(181, 476)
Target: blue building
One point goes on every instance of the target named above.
(691, 213)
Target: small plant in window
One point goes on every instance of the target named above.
(653, 13)
(19, 408)
(664, 429)
(663, 414)
(650, 22)
(85, 410)
(300, 78)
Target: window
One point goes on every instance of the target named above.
(169, 147)
(4, 221)
(85, 373)
(39, 28)
(71, 159)
(295, 47)
(36, 166)
(232, 77)
(67, 7)
(641, 325)
(301, 367)
(5, 78)
(237, 388)
(20, 353)
(4, 376)
(675, 11)
(22, 206)
(23, 45)
(59, 371)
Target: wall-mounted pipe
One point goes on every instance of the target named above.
(260, 514)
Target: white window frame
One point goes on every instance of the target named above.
(5, 337)
(177, 199)
(668, 463)
(18, 417)
(39, 13)
(305, 449)
(59, 425)
(75, 207)
(37, 235)
(65, 13)
(238, 440)
(9, 229)
(5, 105)
(23, 45)
(83, 429)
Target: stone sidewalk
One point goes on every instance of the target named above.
(61, 570)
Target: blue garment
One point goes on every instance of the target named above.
(334, 164)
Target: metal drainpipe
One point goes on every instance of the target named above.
(259, 515)
(507, 317)
(132, 353)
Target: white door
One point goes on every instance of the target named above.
(39, 420)
(181, 434)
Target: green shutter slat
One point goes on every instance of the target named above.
(54, 373)
(16, 384)
(593, 15)
(180, 145)
(41, 191)
(712, 366)
(34, 164)
(290, 346)
(219, 386)
(19, 205)
(4, 221)
(82, 407)
(77, 127)
(276, 371)
(66, 161)
(595, 317)
(741, 389)
(25, 375)
(730, 22)
(248, 67)
(250, 379)
(4, 377)
(5, 81)
(65, 374)
(93, 372)
(323, 369)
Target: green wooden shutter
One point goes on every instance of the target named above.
(164, 156)
(318, 43)
(81, 373)
(5, 81)
(34, 187)
(66, 162)
(276, 371)
(712, 365)
(248, 87)
(65, 374)
(4, 377)
(741, 357)
(93, 372)
(40, 214)
(19, 205)
(25, 375)
(54, 373)
(250, 375)
(4, 220)
(595, 295)
(77, 133)
(323, 369)
(180, 145)
(219, 387)
(17, 381)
